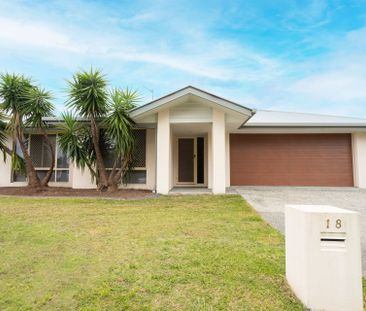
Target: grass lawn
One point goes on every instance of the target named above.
(168, 253)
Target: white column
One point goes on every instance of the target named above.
(218, 152)
(227, 144)
(163, 153)
(359, 159)
(150, 158)
(209, 159)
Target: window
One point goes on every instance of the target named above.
(16, 175)
(138, 173)
(39, 152)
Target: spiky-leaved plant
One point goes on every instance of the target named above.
(25, 104)
(98, 117)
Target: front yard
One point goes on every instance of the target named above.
(168, 253)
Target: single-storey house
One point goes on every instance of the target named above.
(191, 138)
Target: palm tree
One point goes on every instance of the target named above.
(17, 161)
(37, 106)
(88, 97)
(75, 141)
(101, 118)
(3, 137)
(25, 104)
(118, 127)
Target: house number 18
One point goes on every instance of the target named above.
(338, 224)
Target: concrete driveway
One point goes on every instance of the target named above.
(270, 203)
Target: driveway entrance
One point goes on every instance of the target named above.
(270, 203)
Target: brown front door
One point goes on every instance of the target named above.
(291, 159)
(186, 160)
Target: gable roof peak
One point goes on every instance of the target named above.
(191, 90)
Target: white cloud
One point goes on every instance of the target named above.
(205, 58)
(332, 86)
(36, 35)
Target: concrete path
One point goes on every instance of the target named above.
(270, 203)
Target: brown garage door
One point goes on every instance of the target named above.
(291, 159)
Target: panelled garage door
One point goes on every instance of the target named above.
(291, 159)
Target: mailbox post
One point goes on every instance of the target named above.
(323, 257)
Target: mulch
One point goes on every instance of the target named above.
(124, 194)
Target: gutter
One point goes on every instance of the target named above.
(253, 112)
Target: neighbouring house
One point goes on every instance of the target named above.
(191, 138)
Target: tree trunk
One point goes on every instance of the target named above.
(102, 180)
(113, 172)
(47, 178)
(33, 179)
(118, 174)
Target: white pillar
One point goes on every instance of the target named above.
(218, 152)
(359, 159)
(227, 144)
(163, 162)
(150, 159)
(209, 159)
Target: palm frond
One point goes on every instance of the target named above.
(13, 88)
(75, 141)
(87, 93)
(37, 105)
(3, 136)
(118, 123)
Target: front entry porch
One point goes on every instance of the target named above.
(191, 154)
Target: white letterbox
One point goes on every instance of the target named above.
(323, 257)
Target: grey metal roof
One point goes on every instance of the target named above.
(258, 118)
(268, 118)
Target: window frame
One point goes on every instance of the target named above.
(45, 169)
(138, 168)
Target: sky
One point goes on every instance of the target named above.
(302, 56)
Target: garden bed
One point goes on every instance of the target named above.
(69, 192)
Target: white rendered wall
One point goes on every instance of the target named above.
(5, 169)
(81, 179)
(190, 113)
(359, 159)
(163, 162)
(218, 152)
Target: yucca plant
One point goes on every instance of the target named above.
(25, 104)
(3, 136)
(118, 127)
(98, 117)
(37, 106)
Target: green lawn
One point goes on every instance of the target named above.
(169, 253)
